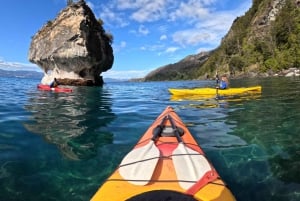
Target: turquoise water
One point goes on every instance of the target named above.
(62, 146)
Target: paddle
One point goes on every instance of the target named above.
(190, 165)
(138, 165)
(217, 87)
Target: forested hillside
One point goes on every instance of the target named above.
(264, 41)
(182, 70)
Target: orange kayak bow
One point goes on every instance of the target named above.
(166, 163)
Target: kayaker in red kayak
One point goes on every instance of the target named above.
(54, 83)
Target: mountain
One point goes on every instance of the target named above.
(39, 75)
(264, 41)
(184, 69)
(21, 74)
(107, 80)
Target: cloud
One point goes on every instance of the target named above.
(192, 9)
(119, 47)
(163, 37)
(218, 22)
(171, 49)
(152, 48)
(143, 30)
(123, 44)
(162, 28)
(112, 18)
(204, 24)
(126, 74)
(198, 15)
(140, 10)
(209, 29)
(206, 49)
(14, 66)
(128, 4)
(192, 37)
(149, 10)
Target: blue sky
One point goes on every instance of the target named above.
(147, 33)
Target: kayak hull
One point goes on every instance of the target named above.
(166, 177)
(214, 91)
(55, 89)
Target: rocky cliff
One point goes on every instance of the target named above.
(74, 48)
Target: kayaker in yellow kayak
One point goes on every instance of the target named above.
(223, 83)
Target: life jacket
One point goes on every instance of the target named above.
(53, 84)
(223, 84)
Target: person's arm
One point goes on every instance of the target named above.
(51, 84)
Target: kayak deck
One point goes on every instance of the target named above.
(171, 163)
(214, 91)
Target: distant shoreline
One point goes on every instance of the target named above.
(291, 72)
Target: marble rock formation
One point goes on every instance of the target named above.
(74, 48)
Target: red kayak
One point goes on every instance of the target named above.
(55, 89)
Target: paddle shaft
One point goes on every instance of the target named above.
(175, 129)
(160, 128)
(217, 87)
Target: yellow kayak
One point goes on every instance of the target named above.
(165, 164)
(214, 91)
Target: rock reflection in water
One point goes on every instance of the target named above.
(75, 122)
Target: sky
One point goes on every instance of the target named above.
(147, 34)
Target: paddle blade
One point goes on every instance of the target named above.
(138, 165)
(189, 165)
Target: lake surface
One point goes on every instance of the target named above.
(62, 146)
